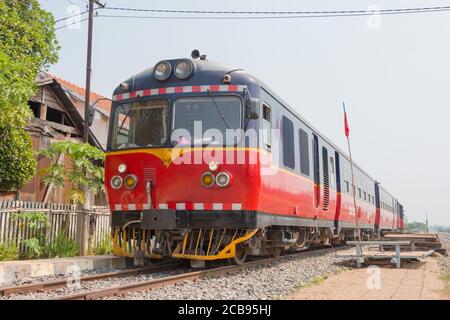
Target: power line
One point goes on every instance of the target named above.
(251, 15)
(70, 24)
(79, 2)
(305, 16)
(72, 16)
(76, 15)
(380, 11)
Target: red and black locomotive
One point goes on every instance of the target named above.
(205, 162)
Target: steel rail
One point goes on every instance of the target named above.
(189, 276)
(62, 283)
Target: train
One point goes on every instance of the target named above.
(205, 162)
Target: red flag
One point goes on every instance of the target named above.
(347, 129)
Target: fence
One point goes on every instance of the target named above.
(60, 217)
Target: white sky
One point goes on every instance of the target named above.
(394, 80)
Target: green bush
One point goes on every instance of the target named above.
(37, 224)
(104, 246)
(37, 246)
(61, 247)
(9, 251)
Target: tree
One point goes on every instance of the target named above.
(416, 226)
(27, 46)
(86, 172)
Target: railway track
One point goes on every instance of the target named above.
(446, 236)
(445, 240)
(62, 283)
(164, 281)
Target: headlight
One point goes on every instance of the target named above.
(122, 168)
(207, 179)
(130, 181)
(223, 179)
(162, 70)
(183, 69)
(213, 166)
(116, 182)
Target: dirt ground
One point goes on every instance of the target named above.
(414, 281)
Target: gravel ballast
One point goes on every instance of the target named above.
(92, 285)
(269, 281)
(25, 281)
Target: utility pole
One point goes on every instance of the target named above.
(83, 217)
(89, 68)
(427, 222)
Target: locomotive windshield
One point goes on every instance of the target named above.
(140, 124)
(206, 120)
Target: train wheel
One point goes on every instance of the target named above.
(239, 257)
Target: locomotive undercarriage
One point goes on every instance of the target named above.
(213, 236)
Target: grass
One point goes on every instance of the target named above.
(446, 278)
(9, 251)
(61, 247)
(103, 247)
(318, 279)
(314, 281)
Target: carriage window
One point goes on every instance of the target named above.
(347, 186)
(267, 126)
(304, 152)
(140, 124)
(288, 143)
(215, 119)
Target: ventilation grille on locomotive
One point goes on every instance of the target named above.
(150, 174)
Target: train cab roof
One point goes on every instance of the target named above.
(203, 72)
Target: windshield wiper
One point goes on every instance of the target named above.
(124, 119)
(218, 110)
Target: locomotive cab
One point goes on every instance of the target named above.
(180, 170)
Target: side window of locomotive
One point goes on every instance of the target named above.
(304, 152)
(288, 143)
(267, 127)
